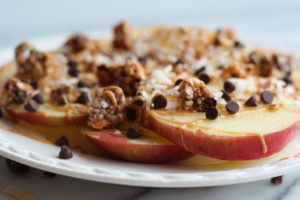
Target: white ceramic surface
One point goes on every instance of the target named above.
(43, 156)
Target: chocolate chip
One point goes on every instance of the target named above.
(238, 44)
(38, 98)
(229, 87)
(139, 101)
(208, 103)
(217, 42)
(72, 63)
(31, 106)
(62, 101)
(83, 98)
(34, 84)
(133, 133)
(130, 113)
(212, 113)
(226, 96)
(220, 67)
(288, 79)
(204, 77)
(179, 62)
(266, 97)
(19, 97)
(102, 67)
(62, 141)
(65, 153)
(142, 59)
(16, 167)
(200, 70)
(49, 174)
(177, 82)
(74, 72)
(252, 101)
(159, 101)
(232, 107)
(82, 84)
(1, 112)
(277, 180)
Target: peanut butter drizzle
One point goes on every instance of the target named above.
(193, 124)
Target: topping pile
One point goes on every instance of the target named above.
(185, 69)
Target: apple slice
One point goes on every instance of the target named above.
(249, 134)
(7, 71)
(49, 115)
(149, 148)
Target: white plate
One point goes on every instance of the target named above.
(183, 174)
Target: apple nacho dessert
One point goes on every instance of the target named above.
(159, 94)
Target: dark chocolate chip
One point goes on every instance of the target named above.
(238, 44)
(288, 79)
(226, 96)
(200, 70)
(220, 67)
(133, 133)
(252, 101)
(208, 103)
(1, 112)
(38, 98)
(179, 62)
(62, 101)
(142, 59)
(266, 97)
(229, 87)
(177, 82)
(159, 101)
(277, 180)
(62, 141)
(204, 77)
(65, 153)
(72, 63)
(82, 84)
(139, 102)
(16, 167)
(102, 67)
(74, 72)
(217, 42)
(83, 98)
(49, 174)
(31, 106)
(232, 107)
(19, 97)
(130, 113)
(212, 113)
(34, 84)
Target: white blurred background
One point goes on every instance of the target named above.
(20, 20)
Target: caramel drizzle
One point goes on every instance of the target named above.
(192, 124)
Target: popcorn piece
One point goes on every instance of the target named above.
(107, 107)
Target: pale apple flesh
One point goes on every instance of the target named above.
(252, 134)
(149, 148)
(48, 116)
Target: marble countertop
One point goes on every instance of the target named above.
(65, 188)
(261, 21)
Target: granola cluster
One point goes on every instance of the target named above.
(34, 64)
(126, 76)
(16, 92)
(194, 95)
(107, 107)
(123, 36)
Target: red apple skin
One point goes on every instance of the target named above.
(37, 118)
(120, 147)
(223, 147)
